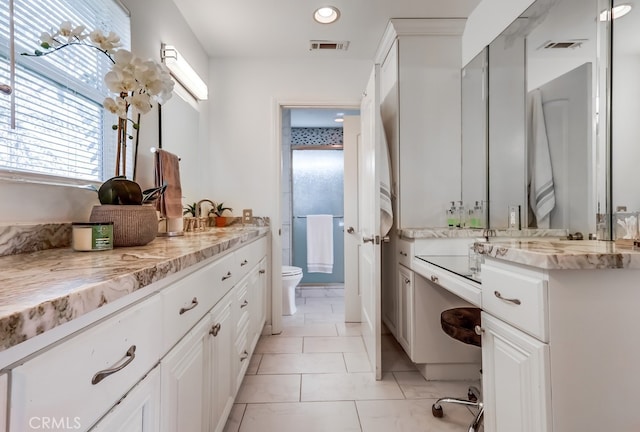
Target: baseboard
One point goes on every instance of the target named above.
(450, 371)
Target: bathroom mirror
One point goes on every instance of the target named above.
(543, 141)
(180, 134)
(474, 130)
(625, 106)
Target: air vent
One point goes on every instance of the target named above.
(322, 45)
(574, 43)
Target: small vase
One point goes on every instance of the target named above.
(133, 225)
(221, 221)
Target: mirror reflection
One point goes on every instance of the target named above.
(180, 124)
(625, 100)
(542, 155)
(474, 136)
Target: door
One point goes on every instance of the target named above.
(221, 367)
(352, 142)
(184, 399)
(138, 411)
(369, 222)
(515, 379)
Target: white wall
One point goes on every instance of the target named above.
(152, 22)
(486, 22)
(245, 164)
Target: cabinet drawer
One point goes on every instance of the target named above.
(83, 377)
(250, 255)
(405, 252)
(518, 297)
(189, 299)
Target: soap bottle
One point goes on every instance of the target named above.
(462, 217)
(478, 215)
(452, 215)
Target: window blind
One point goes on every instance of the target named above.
(54, 122)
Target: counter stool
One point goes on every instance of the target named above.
(460, 324)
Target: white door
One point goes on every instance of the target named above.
(352, 303)
(515, 379)
(369, 222)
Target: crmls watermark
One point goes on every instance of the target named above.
(55, 423)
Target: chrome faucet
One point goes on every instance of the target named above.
(487, 232)
(199, 206)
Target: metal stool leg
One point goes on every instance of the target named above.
(478, 420)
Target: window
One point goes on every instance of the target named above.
(54, 123)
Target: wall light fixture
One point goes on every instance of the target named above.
(183, 72)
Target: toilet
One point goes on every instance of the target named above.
(291, 277)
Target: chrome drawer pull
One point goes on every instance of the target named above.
(194, 303)
(244, 263)
(99, 376)
(215, 330)
(479, 330)
(227, 276)
(244, 356)
(263, 271)
(244, 304)
(406, 281)
(514, 301)
(434, 278)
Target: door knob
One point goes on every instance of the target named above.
(6, 89)
(351, 230)
(368, 240)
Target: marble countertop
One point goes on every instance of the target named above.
(43, 289)
(440, 233)
(562, 254)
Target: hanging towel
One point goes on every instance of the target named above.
(386, 207)
(320, 243)
(168, 170)
(541, 190)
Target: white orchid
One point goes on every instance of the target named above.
(106, 42)
(137, 83)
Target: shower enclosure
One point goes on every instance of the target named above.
(317, 188)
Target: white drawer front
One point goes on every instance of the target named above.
(250, 255)
(405, 252)
(189, 299)
(518, 298)
(65, 383)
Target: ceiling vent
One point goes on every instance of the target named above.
(323, 45)
(573, 43)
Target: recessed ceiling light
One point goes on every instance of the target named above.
(326, 14)
(617, 11)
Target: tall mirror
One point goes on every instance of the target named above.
(180, 134)
(544, 151)
(625, 106)
(474, 132)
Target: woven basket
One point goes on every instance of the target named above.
(133, 225)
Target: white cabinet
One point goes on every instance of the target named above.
(221, 365)
(4, 389)
(185, 373)
(421, 113)
(405, 308)
(85, 375)
(138, 411)
(557, 352)
(515, 369)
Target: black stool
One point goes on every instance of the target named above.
(460, 324)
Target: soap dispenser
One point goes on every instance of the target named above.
(462, 217)
(452, 219)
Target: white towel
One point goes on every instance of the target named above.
(386, 208)
(542, 197)
(320, 243)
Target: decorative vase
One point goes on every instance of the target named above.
(221, 221)
(133, 225)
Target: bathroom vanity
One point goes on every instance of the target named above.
(558, 316)
(155, 338)
(558, 344)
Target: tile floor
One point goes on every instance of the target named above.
(315, 376)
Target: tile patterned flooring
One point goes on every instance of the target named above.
(315, 377)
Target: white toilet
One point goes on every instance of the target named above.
(291, 277)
